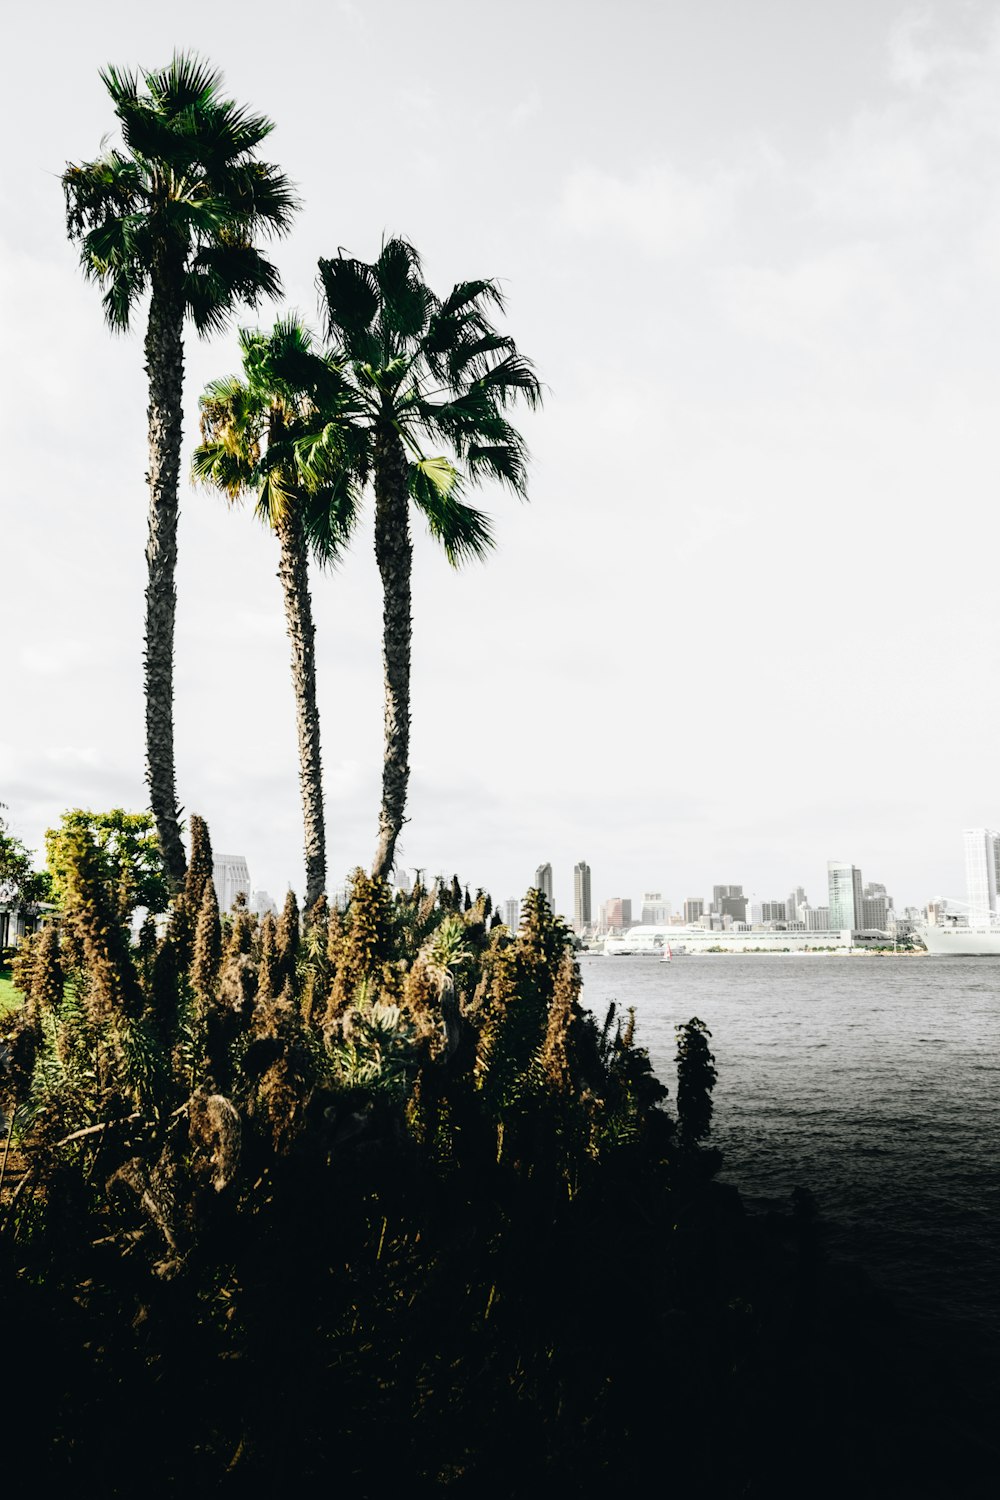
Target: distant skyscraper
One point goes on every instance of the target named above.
(795, 900)
(616, 913)
(767, 913)
(611, 914)
(260, 903)
(581, 894)
(876, 905)
(231, 878)
(729, 901)
(694, 907)
(982, 878)
(655, 911)
(511, 914)
(543, 882)
(844, 883)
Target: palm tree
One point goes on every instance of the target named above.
(281, 435)
(176, 210)
(423, 372)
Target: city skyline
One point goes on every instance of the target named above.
(808, 215)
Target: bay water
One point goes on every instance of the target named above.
(872, 1081)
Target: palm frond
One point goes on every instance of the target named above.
(257, 194)
(120, 84)
(406, 303)
(503, 461)
(329, 517)
(468, 293)
(217, 465)
(222, 275)
(464, 532)
(467, 356)
(124, 288)
(351, 296)
(513, 376)
(188, 79)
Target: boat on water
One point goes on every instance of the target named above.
(641, 941)
(623, 947)
(979, 938)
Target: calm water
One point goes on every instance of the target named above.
(874, 1082)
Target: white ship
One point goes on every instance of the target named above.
(976, 937)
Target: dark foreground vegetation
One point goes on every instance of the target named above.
(369, 1202)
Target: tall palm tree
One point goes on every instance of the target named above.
(175, 210)
(424, 372)
(282, 435)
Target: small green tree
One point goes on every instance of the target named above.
(696, 1077)
(20, 883)
(126, 851)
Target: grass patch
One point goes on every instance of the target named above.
(10, 998)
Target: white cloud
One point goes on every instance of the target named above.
(817, 302)
(658, 209)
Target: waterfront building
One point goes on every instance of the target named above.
(655, 911)
(626, 911)
(231, 878)
(511, 914)
(844, 884)
(982, 870)
(581, 894)
(694, 907)
(543, 882)
(736, 939)
(815, 918)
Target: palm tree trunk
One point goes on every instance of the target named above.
(165, 368)
(293, 572)
(395, 557)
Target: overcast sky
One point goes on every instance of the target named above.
(747, 623)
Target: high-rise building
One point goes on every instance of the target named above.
(844, 885)
(764, 913)
(261, 903)
(613, 915)
(581, 894)
(795, 900)
(729, 901)
(543, 882)
(655, 911)
(616, 913)
(511, 914)
(816, 918)
(231, 878)
(876, 907)
(694, 907)
(982, 870)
